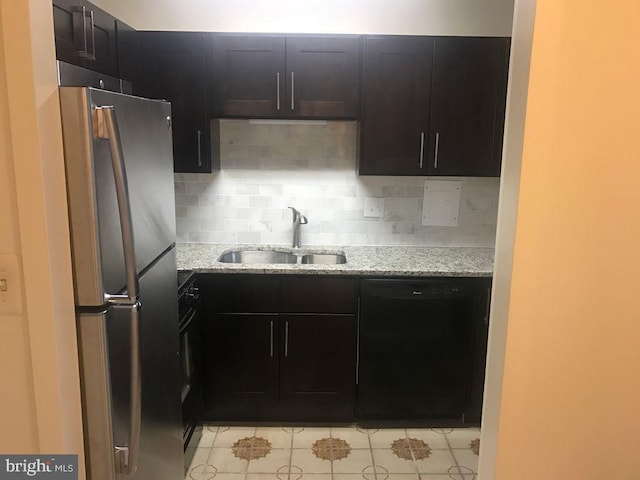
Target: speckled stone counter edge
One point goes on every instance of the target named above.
(361, 260)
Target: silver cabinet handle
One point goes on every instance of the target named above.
(271, 340)
(286, 338)
(435, 154)
(92, 55)
(358, 344)
(278, 91)
(293, 97)
(486, 312)
(199, 148)
(105, 126)
(421, 148)
(83, 10)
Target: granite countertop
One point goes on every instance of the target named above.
(361, 260)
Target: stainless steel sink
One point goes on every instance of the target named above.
(324, 258)
(258, 256)
(277, 256)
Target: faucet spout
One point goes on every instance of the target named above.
(298, 219)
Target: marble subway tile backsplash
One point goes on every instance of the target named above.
(267, 166)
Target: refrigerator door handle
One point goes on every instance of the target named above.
(105, 126)
(127, 456)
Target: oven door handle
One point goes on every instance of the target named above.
(184, 325)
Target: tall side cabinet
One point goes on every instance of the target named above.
(174, 69)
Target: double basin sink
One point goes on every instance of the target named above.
(271, 256)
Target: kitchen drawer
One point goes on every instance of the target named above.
(318, 295)
(240, 293)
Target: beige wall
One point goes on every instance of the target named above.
(571, 374)
(17, 416)
(38, 354)
(505, 232)
(406, 17)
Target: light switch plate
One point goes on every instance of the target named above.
(10, 285)
(373, 207)
(441, 203)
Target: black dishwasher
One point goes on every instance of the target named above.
(416, 348)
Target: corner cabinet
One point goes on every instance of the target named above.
(174, 69)
(468, 93)
(268, 76)
(279, 348)
(85, 36)
(433, 105)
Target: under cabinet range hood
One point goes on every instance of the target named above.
(73, 76)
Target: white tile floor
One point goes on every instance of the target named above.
(291, 453)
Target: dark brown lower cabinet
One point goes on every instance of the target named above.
(241, 367)
(317, 374)
(266, 360)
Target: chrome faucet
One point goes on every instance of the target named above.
(298, 219)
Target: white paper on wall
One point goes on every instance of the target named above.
(441, 203)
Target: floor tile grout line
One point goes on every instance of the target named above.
(413, 457)
(293, 432)
(331, 454)
(446, 437)
(373, 460)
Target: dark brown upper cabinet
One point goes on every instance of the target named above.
(85, 36)
(468, 93)
(396, 81)
(247, 75)
(267, 76)
(323, 77)
(433, 105)
(129, 52)
(173, 68)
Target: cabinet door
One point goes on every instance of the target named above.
(318, 367)
(467, 106)
(240, 366)
(174, 70)
(323, 77)
(247, 76)
(129, 53)
(395, 119)
(103, 46)
(70, 32)
(85, 36)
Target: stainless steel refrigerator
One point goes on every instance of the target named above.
(119, 170)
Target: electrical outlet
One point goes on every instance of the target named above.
(10, 285)
(373, 207)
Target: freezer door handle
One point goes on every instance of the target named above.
(105, 126)
(127, 455)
